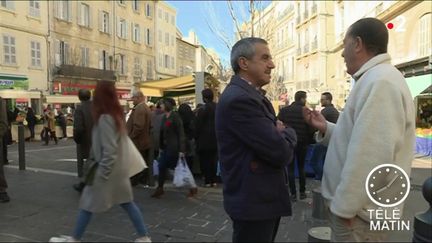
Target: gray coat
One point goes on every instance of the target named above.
(111, 185)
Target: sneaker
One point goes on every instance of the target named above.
(293, 197)
(63, 238)
(302, 195)
(143, 239)
(4, 197)
(158, 192)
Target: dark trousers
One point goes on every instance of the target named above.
(167, 160)
(255, 231)
(208, 159)
(32, 132)
(4, 144)
(146, 176)
(300, 155)
(317, 160)
(3, 183)
(48, 133)
(80, 161)
(64, 131)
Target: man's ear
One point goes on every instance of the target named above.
(243, 63)
(359, 44)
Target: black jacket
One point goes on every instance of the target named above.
(82, 127)
(205, 127)
(292, 115)
(330, 113)
(253, 154)
(172, 136)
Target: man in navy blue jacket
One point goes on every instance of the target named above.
(254, 148)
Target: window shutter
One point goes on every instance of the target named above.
(127, 30)
(134, 37)
(90, 15)
(56, 9)
(100, 20)
(69, 12)
(125, 65)
(79, 12)
(118, 27)
(66, 51)
(57, 52)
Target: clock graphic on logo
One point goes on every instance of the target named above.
(387, 185)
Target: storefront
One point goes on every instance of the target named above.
(14, 89)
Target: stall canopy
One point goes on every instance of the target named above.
(418, 84)
(159, 88)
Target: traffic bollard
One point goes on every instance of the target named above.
(21, 146)
(423, 221)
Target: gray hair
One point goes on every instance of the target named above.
(137, 93)
(244, 48)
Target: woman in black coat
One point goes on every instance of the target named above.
(187, 116)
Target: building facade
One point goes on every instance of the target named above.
(99, 40)
(165, 42)
(23, 63)
(185, 57)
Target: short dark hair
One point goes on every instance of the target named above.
(373, 33)
(299, 95)
(207, 95)
(328, 95)
(244, 48)
(84, 94)
(169, 103)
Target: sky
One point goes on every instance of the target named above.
(199, 15)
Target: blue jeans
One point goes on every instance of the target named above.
(130, 207)
(167, 160)
(317, 160)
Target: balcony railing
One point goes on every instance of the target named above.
(306, 14)
(306, 48)
(85, 72)
(298, 51)
(314, 8)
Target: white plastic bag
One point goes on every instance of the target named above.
(182, 175)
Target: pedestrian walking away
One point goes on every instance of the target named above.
(107, 178)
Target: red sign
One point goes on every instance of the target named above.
(72, 88)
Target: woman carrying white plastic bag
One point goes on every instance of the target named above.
(182, 175)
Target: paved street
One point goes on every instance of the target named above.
(44, 204)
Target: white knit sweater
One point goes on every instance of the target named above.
(376, 127)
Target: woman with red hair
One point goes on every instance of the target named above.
(110, 184)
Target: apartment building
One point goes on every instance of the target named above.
(23, 63)
(166, 54)
(100, 40)
(185, 57)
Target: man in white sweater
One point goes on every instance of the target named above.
(376, 127)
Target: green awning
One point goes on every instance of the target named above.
(418, 84)
(12, 77)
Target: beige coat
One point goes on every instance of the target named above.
(111, 185)
(138, 126)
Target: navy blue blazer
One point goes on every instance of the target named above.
(253, 154)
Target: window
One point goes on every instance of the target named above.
(136, 33)
(9, 51)
(149, 38)
(160, 13)
(160, 59)
(34, 9)
(166, 17)
(159, 35)
(8, 4)
(135, 5)
(425, 48)
(172, 62)
(85, 58)
(172, 20)
(84, 15)
(122, 29)
(149, 70)
(103, 60)
(137, 67)
(148, 10)
(104, 22)
(166, 39)
(122, 66)
(166, 61)
(64, 52)
(63, 10)
(35, 50)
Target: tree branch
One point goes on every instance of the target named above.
(231, 10)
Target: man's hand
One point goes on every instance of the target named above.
(280, 126)
(315, 119)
